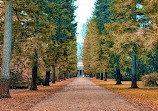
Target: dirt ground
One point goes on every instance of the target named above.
(84, 95)
(145, 98)
(23, 99)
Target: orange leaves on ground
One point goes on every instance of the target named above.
(143, 96)
(23, 99)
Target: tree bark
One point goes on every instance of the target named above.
(118, 74)
(4, 89)
(156, 60)
(105, 77)
(58, 76)
(91, 75)
(53, 76)
(101, 76)
(96, 75)
(63, 76)
(47, 78)
(34, 73)
(4, 83)
(69, 75)
(133, 63)
(119, 77)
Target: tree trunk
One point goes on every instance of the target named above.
(63, 76)
(34, 73)
(101, 76)
(4, 83)
(118, 74)
(105, 77)
(134, 79)
(58, 76)
(47, 78)
(156, 60)
(69, 76)
(4, 89)
(96, 75)
(119, 77)
(53, 76)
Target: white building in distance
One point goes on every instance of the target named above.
(80, 69)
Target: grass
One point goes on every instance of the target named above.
(24, 99)
(142, 96)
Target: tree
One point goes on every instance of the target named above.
(129, 38)
(91, 52)
(102, 14)
(34, 72)
(4, 93)
(47, 79)
(39, 36)
(118, 74)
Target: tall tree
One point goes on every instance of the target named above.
(43, 28)
(102, 14)
(34, 72)
(91, 49)
(129, 38)
(4, 93)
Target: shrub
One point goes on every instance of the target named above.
(150, 80)
(126, 77)
(17, 81)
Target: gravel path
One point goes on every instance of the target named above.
(84, 95)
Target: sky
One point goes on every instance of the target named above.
(83, 12)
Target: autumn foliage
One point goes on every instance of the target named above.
(123, 37)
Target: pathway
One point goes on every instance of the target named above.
(84, 95)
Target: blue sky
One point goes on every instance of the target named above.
(83, 12)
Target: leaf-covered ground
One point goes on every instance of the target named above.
(84, 95)
(23, 99)
(146, 97)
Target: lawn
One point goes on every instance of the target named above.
(142, 96)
